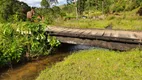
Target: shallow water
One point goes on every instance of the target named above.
(31, 70)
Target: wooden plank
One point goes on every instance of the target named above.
(114, 34)
(54, 29)
(74, 33)
(64, 32)
(107, 34)
(99, 33)
(93, 33)
(85, 33)
(138, 35)
(80, 32)
(132, 36)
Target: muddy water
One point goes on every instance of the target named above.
(31, 70)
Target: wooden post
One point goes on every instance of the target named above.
(89, 10)
(76, 9)
(103, 6)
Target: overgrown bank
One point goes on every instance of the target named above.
(23, 41)
(97, 64)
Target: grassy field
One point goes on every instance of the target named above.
(101, 24)
(124, 20)
(97, 65)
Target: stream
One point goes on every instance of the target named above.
(31, 70)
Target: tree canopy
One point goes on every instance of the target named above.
(45, 3)
(107, 5)
(13, 9)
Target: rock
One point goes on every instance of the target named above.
(84, 17)
(101, 17)
(109, 26)
(139, 12)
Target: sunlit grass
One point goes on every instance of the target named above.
(124, 21)
(97, 65)
(123, 24)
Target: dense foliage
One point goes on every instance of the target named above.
(26, 40)
(13, 10)
(45, 4)
(112, 5)
(104, 6)
(50, 15)
(69, 9)
(80, 6)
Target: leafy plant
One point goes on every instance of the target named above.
(28, 40)
(10, 47)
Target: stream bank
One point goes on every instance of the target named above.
(30, 70)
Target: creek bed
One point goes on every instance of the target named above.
(31, 70)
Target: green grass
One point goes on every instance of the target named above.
(97, 65)
(124, 20)
(123, 24)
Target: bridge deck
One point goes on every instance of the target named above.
(114, 39)
(115, 35)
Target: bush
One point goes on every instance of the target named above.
(26, 39)
(13, 10)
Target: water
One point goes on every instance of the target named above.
(69, 48)
(31, 70)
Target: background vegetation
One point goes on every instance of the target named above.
(24, 39)
(122, 14)
(104, 6)
(13, 10)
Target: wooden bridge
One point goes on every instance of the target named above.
(111, 39)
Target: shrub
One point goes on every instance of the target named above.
(27, 40)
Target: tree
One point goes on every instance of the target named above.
(20, 10)
(80, 6)
(11, 9)
(56, 9)
(5, 9)
(45, 3)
